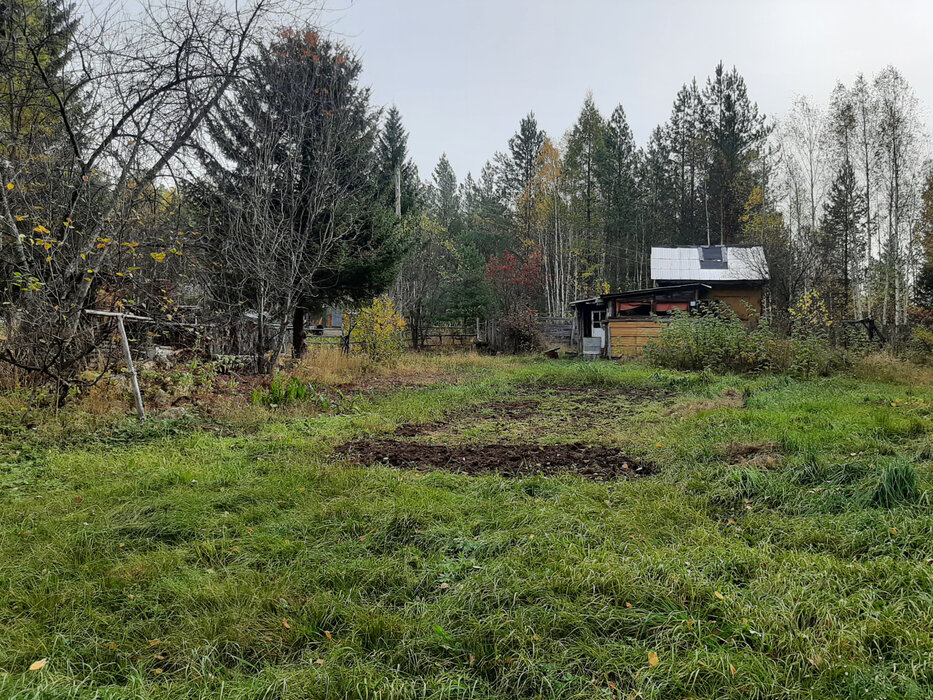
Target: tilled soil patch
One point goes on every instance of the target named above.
(512, 410)
(597, 463)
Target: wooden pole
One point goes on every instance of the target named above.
(134, 380)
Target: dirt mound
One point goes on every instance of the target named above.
(597, 463)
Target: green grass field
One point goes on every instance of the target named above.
(784, 548)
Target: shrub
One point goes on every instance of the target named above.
(520, 332)
(920, 349)
(377, 330)
(714, 337)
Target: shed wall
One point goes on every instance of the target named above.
(627, 338)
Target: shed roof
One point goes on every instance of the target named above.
(727, 263)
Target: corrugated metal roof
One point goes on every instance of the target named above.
(709, 264)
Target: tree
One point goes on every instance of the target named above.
(295, 217)
(398, 176)
(125, 107)
(419, 286)
(445, 200)
(843, 241)
(689, 147)
(619, 188)
(735, 131)
(517, 172)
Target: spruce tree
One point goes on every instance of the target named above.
(297, 222)
(843, 238)
(398, 176)
(445, 196)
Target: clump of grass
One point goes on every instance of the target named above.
(282, 391)
(896, 484)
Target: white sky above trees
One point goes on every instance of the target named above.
(464, 72)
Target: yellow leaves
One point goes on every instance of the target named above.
(157, 671)
(653, 658)
(285, 624)
(719, 595)
(20, 218)
(10, 185)
(328, 635)
(154, 643)
(41, 229)
(158, 257)
(732, 669)
(893, 530)
(38, 665)
(320, 662)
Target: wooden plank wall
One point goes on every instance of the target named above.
(629, 338)
(735, 298)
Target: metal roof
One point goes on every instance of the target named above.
(727, 263)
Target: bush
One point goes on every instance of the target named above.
(714, 337)
(377, 331)
(520, 332)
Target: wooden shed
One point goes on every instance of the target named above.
(620, 324)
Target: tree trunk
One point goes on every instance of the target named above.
(298, 333)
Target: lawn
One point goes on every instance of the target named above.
(769, 537)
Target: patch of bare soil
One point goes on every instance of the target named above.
(597, 463)
(764, 454)
(633, 394)
(511, 410)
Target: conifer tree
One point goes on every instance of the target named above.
(517, 171)
(445, 196)
(398, 176)
(735, 131)
(843, 238)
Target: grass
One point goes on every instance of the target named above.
(785, 549)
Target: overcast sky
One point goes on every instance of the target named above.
(463, 73)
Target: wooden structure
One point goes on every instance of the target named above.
(621, 324)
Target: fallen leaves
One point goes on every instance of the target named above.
(38, 665)
(285, 624)
(653, 658)
(719, 595)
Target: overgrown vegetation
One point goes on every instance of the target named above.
(785, 541)
(714, 337)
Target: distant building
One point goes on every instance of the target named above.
(620, 324)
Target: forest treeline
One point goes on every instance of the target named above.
(840, 196)
(227, 179)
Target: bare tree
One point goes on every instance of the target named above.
(127, 102)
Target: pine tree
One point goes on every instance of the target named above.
(735, 130)
(517, 171)
(690, 153)
(617, 183)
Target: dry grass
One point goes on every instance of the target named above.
(886, 367)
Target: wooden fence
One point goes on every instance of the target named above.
(557, 330)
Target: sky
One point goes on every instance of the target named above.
(464, 72)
